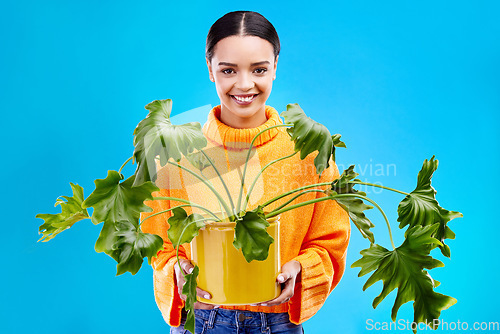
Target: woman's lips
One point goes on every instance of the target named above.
(245, 100)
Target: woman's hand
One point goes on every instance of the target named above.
(288, 277)
(187, 267)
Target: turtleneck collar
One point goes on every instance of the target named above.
(229, 137)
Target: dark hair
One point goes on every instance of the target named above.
(241, 23)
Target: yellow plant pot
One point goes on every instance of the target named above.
(225, 273)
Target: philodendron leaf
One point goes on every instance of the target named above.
(403, 269)
(133, 245)
(352, 205)
(336, 143)
(189, 289)
(71, 212)
(180, 221)
(355, 207)
(251, 236)
(114, 201)
(199, 160)
(420, 207)
(342, 185)
(309, 136)
(156, 135)
(106, 240)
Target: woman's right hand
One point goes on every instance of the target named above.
(187, 267)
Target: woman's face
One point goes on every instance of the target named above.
(243, 69)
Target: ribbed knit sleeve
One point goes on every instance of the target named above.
(322, 255)
(166, 294)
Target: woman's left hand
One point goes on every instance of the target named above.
(288, 277)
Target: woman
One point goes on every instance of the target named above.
(242, 55)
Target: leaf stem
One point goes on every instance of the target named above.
(295, 190)
(172, 199)
(185, 201)
(248, 157)
(206, 183)
(180, 238)
(220, 205)
(298, 205)
(298, 195)
(221, 180)
(179, 206)
(377, 206)
(379, 186)
(120, 170)
(260, 172)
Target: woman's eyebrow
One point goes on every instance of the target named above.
(223, 63)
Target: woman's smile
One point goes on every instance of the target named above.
(244, 99)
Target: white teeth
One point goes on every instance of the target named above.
(243, 99)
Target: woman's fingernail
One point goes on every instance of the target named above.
(281, 278)
(253, 304)
(190, 270)
(264, 304)
(206, 296)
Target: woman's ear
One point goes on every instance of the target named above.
(275, 65)
(210, 73)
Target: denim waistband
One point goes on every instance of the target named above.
(239, 318)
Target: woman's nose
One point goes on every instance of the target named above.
(244, 82)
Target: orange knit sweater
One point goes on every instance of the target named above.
(316, 235)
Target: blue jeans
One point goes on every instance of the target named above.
(218, 321)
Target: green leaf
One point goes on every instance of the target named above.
(355, 207)
(156, 135)
(403, 269)
(352, 205)
(420, 207)
(180, 221)
(199, 160)
(71, 212)
(114, 201)
(133, 245)
(342, 185)
(189, 289)
(309, 136)
(251, 236)
(336, 143)
(106, 240)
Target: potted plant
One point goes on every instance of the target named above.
(118, 202)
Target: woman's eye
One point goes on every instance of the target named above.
(227, 71)
(261, 70)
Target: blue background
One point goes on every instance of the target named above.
(400, 80)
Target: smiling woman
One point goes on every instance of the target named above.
(290, 226)
(242, 55)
